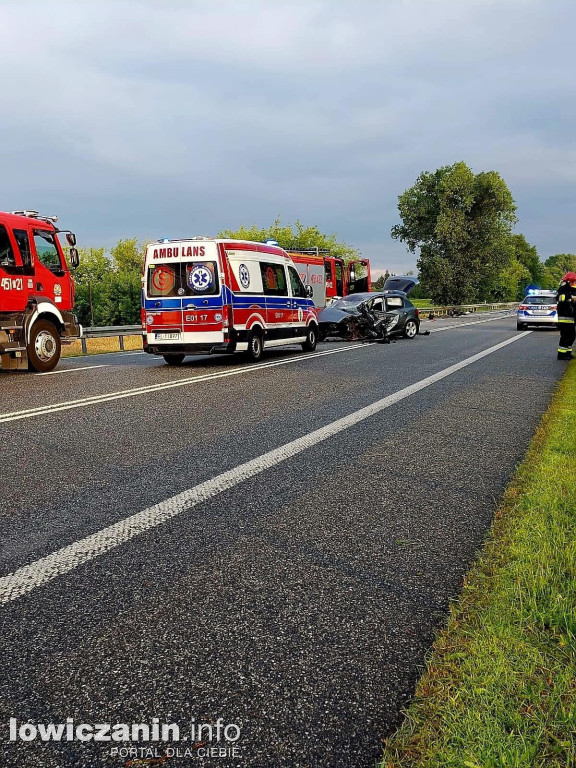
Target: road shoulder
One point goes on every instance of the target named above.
(499, 686)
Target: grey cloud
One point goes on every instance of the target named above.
(176, 118)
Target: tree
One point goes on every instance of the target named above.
(511, 282)
(555, 267)
(295, 236)
(94, 265)
(461, 222)
(379, 284)
(108, 288)
(128, 255)
(121, 299)
(527, 255)
(90, 276)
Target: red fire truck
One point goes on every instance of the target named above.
(36, 292)
(330, 276)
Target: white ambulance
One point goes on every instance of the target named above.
(207, 295)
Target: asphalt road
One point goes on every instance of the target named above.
(272, 545)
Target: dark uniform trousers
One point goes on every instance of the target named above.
(566, 321)
(567, 336)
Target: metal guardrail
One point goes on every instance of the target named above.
(465, 308)
(109, 331)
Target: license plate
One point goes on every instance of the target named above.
(167, 336)
(539, 312)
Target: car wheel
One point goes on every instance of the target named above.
(44, 347)
(174, 359)
(255, 346)
(521, 326)
(311, 338)
(410, 329)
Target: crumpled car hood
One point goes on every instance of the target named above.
(334, 315)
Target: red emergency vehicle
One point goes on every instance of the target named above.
(330, 276)
(36, 292)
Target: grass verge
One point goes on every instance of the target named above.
(499, 690)
(101, 346)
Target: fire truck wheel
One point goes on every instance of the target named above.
(311, 338)
(174, 359)
(255, 346)
(44, 347)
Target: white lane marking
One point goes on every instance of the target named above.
(461, 325)
(104, 398)
(102, 354)
(29, 577)
(73, 370)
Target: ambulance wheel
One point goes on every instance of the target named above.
(174, 359)
(255, 346)
(44, 347)
(311, 339)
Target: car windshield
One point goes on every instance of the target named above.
(539, 300)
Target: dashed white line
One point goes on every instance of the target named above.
(30, 577)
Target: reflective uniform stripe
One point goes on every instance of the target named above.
(565, 319)
(564, 350)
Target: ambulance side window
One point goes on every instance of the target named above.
(296, 284)
(273, 279)
(23, 243)
(7, 258)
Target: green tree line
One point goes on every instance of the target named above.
(108, 285)
(459, 222)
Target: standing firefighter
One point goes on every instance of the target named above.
(566, 299)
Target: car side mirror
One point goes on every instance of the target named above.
(309, 291)
(74, 257)
(71, 238)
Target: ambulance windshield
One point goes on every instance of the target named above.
(187, 278)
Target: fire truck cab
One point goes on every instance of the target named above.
(330, 277)
(36, 292)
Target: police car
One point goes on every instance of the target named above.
(538, 307)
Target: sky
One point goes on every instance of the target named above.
(175, 118)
